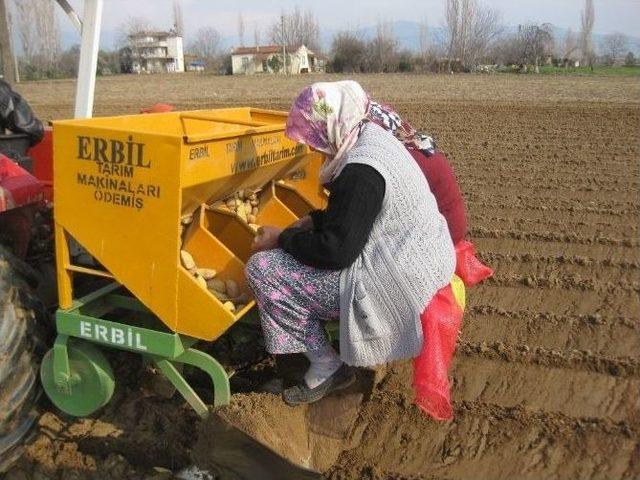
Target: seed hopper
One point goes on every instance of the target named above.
(123, 188)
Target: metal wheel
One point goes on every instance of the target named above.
(91, 384)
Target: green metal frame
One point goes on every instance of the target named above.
(164, 348)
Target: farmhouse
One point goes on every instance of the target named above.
(155, 52)
(269, 59)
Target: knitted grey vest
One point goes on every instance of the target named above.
(409, 256)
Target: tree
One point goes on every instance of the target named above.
(178, 20)
(470, 28)
(614, 45)
(296, 28)
(241, 29)
(381, 50)
(535, 42)
(275, 63)
(570, 46)
(630, 60)
(207, 45)
(7, 54)
(256, 34)
(347, 52)
(39, 33)
(424, 39)
(587, 18)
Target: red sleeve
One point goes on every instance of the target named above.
(444, 186)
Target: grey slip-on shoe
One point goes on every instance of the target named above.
(301, 393)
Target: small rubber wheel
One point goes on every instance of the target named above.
(94, 388)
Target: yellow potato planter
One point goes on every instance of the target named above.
(121, 186)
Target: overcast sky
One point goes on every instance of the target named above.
(611, 15)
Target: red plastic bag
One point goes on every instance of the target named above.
(441, 322)
(440, 325)
(468, 267)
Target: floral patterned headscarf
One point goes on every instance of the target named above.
(328, 116)
(385, 116)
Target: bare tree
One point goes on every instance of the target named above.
(587, 18)
(535, 42)
(570, 45)
(424, 39)
(452, 24)
(381, 50)
(614, 46)
(256, 34)
(7, 54)
(241, 29)
(207, 44)
(39, 33)
(296, 28)
(470, 28)
(178, 20)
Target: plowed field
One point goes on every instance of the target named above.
(546, 380)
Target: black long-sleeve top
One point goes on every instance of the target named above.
(340, 232)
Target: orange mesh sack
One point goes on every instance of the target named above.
(468, 267)
(441, 322)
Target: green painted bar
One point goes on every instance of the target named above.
(120, 335)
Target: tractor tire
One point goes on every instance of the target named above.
(19, 342)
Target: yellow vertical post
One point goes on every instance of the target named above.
(63, 261)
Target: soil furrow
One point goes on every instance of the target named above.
(608, 336)
(598, 252)
(567, 226)
(557, 301)
(486, 441)
(551, 389)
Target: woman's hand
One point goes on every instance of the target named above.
(267, 239)
(305, 222)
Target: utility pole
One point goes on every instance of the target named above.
(284, 46)
(9, 66)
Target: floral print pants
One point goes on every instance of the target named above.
(295, 301)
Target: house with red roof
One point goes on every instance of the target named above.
(270, 59)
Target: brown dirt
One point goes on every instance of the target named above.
(547, 374)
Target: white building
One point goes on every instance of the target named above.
(268, 59)
(156, 52)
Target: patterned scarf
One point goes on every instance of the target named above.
(388, 118)
(328, 116)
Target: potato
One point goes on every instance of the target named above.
(255, 211)
(187, 260)
(232, 288)
(217, 285)
(253, 197)
(242, 213)
(231, 203)
(242, 298)
(201, 281)
(219, 295)
(229, 306)
(251, 218)
(255, 202)
(207, 273)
